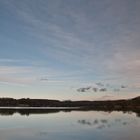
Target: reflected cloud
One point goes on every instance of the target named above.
(101, 126)
(43, 133)
(98, 123)
(125, 123)
(95, 121)
(103, 123)
(84, 122)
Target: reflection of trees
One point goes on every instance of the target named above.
(27, 112)
(6, 112)
(138, 113)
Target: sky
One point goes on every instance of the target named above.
(70, 49)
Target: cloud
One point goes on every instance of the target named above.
(68, 41)
(103, 89)
(100, 84)
(17, 75)
(8, 60)
(43, 79)
(95, 40)
(83, 89)
(135, 85)
(87, 89)
(20, 81)
(122, 86)
(64, 44)
(95, 89)
(116, 90)
(106, 97)
(13, 69)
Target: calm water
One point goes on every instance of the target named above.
(74, 125)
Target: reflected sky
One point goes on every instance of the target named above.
(74, 125)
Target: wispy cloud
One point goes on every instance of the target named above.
(16, 75)
(118, 57)
(65, 45)
(13, 70)
(78, 41)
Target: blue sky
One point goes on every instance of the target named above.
(51, 48)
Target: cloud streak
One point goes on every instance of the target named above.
(64, 44)
(72, 42)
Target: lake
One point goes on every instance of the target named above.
(68, 125)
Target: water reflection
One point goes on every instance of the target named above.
(68, 125)
(103, 123)
(28, 112)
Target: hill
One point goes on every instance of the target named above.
(130, 104)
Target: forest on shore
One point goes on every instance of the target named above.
(128, 104)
